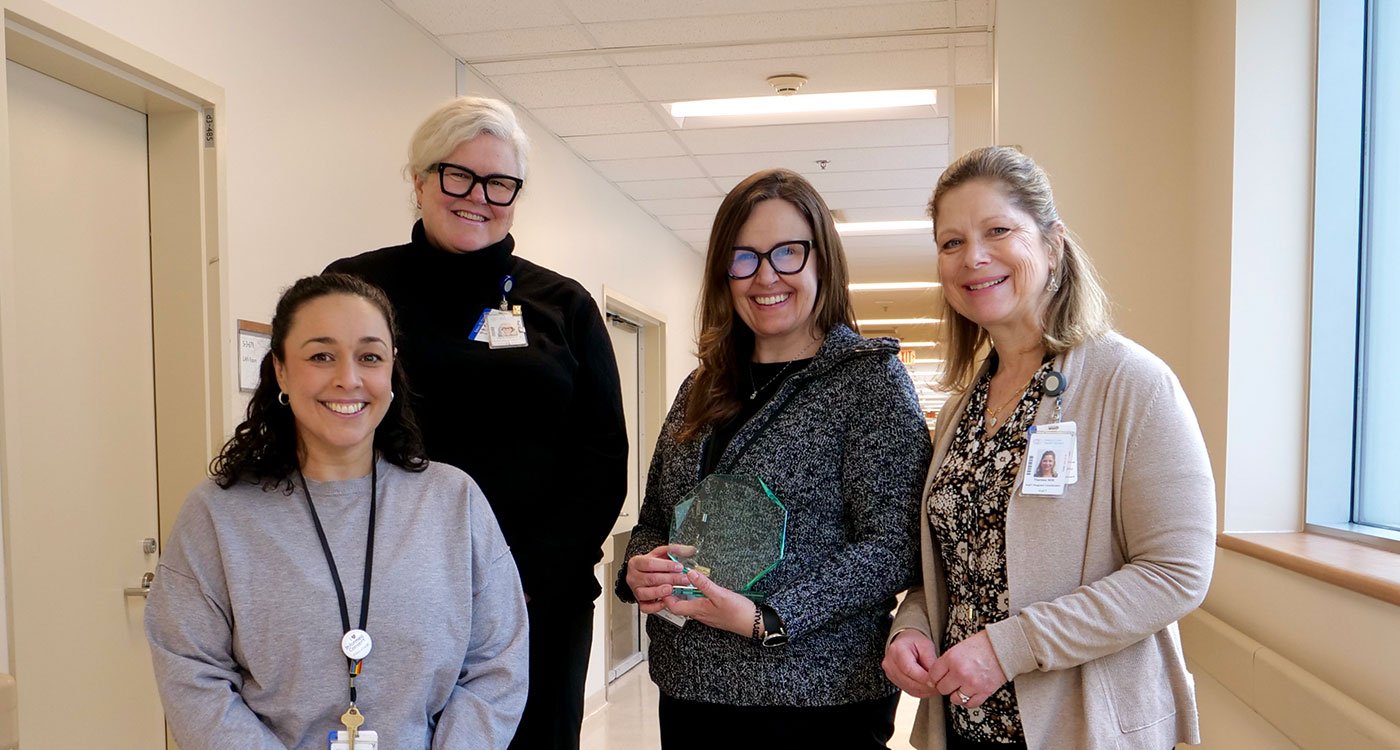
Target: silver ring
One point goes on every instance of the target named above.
(964, 697)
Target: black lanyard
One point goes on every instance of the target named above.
(335, 574)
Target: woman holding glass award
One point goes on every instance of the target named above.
(787, 393)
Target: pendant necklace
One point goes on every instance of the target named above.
(770, 381)
(994, 415)
(757, 389)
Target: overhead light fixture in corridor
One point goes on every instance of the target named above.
(883, 227)
(887, 322)
(788, 101)
(893, 286)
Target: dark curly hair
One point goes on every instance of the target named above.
(263, 448)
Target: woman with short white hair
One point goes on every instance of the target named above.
(514, 382)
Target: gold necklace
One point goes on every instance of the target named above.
(994, 414)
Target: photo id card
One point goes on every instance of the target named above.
(1050, 459)
(506, 329)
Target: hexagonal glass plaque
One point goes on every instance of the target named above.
(737, 529)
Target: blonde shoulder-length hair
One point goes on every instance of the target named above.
(1076, 312)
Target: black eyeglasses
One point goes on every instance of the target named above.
(786, 258)
(458, 181)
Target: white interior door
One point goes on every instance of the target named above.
(626, 341)
(624, 623)
(82, 468)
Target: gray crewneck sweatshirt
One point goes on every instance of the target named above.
(245, 626)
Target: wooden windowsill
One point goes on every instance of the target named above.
(1358, 567)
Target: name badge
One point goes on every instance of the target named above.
(505, 329)
(365, 739)
(1052, 459)
(479, 330)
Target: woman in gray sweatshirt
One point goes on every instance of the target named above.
(328, 577)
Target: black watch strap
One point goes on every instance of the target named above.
(774, 632)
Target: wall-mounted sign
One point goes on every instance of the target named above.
(254, 342)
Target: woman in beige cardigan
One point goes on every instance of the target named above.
(1046, 617)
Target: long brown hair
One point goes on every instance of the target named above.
(725, 341)
(1076, 312)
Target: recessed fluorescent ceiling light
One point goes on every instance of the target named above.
(898, 321)
(875, 227)
(774, 105)
(893, 286)
(918, 345)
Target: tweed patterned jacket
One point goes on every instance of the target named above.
(843, 444)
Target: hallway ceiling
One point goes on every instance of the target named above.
(599, 74)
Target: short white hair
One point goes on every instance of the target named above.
(459, 121)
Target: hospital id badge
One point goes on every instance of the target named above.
(505, 329)
(1050, 457)
(479, 332)
(365, 739)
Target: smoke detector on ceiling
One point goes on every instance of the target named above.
(786, 85)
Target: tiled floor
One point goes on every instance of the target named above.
(628, 721)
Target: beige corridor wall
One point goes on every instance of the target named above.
(1178, 138)
(1094, 91)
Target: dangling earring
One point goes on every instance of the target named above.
(282, 398)
(1053, 285)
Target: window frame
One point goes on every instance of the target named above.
(1340, 211)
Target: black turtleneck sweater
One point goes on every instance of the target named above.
(540, 428)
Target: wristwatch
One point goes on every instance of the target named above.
(774, 633)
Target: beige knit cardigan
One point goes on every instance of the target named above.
(1098, 577)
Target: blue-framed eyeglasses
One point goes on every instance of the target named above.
(786, 258)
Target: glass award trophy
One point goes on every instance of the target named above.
(731, 528)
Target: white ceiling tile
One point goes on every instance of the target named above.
(840, 160)
(564, 88)
(654, 189)
(599, 119)
(817, 136)
(484, 46)
(792, 24)
(782, 50)
(911, 211)
(541, 64)
(971, 39)
(972, 65)
(890, 179)
(696, 238)
(866, 71)
(625, 146)
(973, 13)
(666, 206)
(688, 221)
(470, 16)
(848, 201)
(666, 168)
(908, 243)
(593, 11)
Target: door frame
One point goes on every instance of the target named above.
(651, 339)
(189, 284)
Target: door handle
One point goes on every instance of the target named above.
(144, 590)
